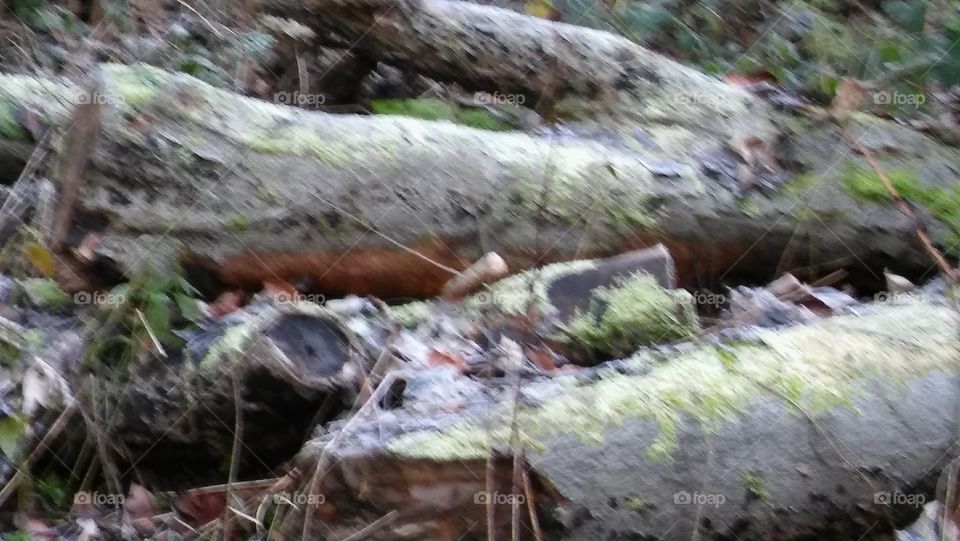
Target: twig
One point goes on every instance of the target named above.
(382, 388)
(517, 449)
(153, 337)
(489, 268)
(906, 209)
(45, 442)
(531, 506)
(488, 481)
(205, 21)
(213, 489)
(387, 238)
(234, 454)
(78, 147)
(377, 371)
(374, 526)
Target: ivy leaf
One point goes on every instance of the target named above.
(188, 306)
(45, 292)
(12, 430)
(157, 313)
(909, 15)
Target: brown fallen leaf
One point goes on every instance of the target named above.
(441, 358)
(41, 258)
(200, 508)
(36, 529)
(280, 290)
(749, 79)
(849, 97)
(86, 251)
(139, 507)
(543, 358)
(227, 303)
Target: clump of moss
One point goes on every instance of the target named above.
(426, 109)
(236, 223)
(139, 85)
(811, 369)
(436, 109)
(411, 313)
(481, 119)
(9, 127)
(866, 185)
(753, 482)
(45, 292)
(302, 141)
(634, 313)
(638, 504)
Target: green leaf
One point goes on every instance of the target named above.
(118, 296)
(157, 313)
(188, 307)
(909, 15)
(45, 292)
(12, 430)
(185, 286)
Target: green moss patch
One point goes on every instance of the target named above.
(139, 85)
(635, 312)
(436, 109)
(811, 369)
(865, 184)
(9, 127)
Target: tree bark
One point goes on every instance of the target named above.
(833, 430)
(360, 204)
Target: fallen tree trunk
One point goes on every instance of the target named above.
(833, 430)
(573, 68)
(362, 204)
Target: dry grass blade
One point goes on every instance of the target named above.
(234, 455)
(365, 403)
(374, 527)
(38, 450)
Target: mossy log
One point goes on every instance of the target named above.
(292, 365)
(253, 190)
(835, 430)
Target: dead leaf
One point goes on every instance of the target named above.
(544, 359)
(441, 358)
(42, 260)
(89, 531)
(749, 79)
(897, 283)
(543, 9)
(850, 95)
(227, 303)
(86, 252)
(38, 530)
(139, 508)
(198, 509)
(280, 290)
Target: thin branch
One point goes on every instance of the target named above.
(234, 454)
(907, 210)
(45, 442)
(374, 526)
